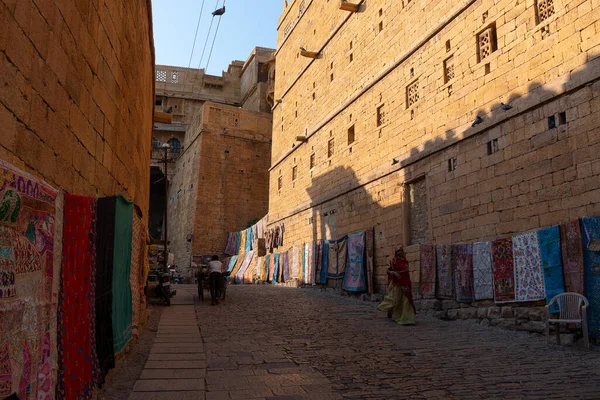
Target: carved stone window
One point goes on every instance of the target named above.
(449, 69)
(294, 172)
(380, 115)
(312, 160)
(330, 148)
(544, 9)
(161, 76)
(412, 94)
(280, 182)
(486, 43)
(174, 77)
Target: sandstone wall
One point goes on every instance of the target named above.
(410, 94)
(76, 94)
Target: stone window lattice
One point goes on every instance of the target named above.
(449, 69)
(312, 160)
(161, 76)
(486, 42)
(544, 9)
(174, 77)
(412, 94)
(330, 148)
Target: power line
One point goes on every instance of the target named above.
(208, 36)
(214, 39)
(196, 35)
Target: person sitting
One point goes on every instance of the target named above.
(215, 277)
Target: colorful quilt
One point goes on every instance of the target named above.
(354, 277)
(428, 266)
(370, 259)
(529, 276)
(332, 258)
(248, 245)
(238, 264)
(274, 278)
(503, 268)
(239, 277)
(231, 248)
(483, 278)
(462, 258)
(232, 262)
(445, 273)
(318, 260)
(324, 262)
(591, 260)
(29, 292)
(286, 267)
(78, 362)
(313, 263)
(260, 261)
(572, 256)
(265, 274)
(295, 263)
(550, 253)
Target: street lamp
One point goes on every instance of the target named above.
(166, 147)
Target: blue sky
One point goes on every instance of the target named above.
(246, 24)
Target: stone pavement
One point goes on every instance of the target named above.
(176, 365)
(281, 343)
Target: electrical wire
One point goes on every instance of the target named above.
(196, 35)
(208, 35)
(214, 39)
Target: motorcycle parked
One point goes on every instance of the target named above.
(163, 289)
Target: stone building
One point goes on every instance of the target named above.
(76, 94)
(399, 109)
(220, 142)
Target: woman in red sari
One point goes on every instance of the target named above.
(398, 302)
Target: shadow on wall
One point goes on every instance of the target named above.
(541, 133)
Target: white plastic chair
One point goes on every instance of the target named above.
(572, 310)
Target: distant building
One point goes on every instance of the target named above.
(220, 147)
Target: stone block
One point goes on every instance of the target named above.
(532, 326)
(494, 313)
(507, 312)
(467, 313)
(506, 323)
(452, 314)
(449, 304)
(441, 314)
(537, 314)
(522, 313)
(429, 304)
(482, 313)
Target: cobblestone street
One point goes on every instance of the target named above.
(269, 342)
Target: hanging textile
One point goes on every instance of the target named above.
(529, 276)
(302, 277)
(265, 274)
(242, 248)
(309, 263)
(354, 277)
(342, 254)
(275, 268)
(238, 242)
(370, 259)
(572, 256)
(445, 272)
(138, 247)
(260, 261)
(502, 264)
(324, 261)
(238, 264)
(105, 244)
(231, 247)
(281, 233)
(122, 313)
(295, 263)
(550, 252)
(78, 363)
(280, 269)
(249, 274)
(225, 264)
(231, 265)
(239, 277)
(590, 227)
(483, 279)
(332, 258)
(29, 283)
(318, 261)
(276, 235)
(313, 263)
(286, 266)
(428, 270)
(462, 258)
(248, 245)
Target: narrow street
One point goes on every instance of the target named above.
(279, 343)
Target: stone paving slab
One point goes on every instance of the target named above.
(197, 395)
(178, 343)
(175, 364)
(176, 357)
(172, 374)
(168, 385)
(176, 350)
